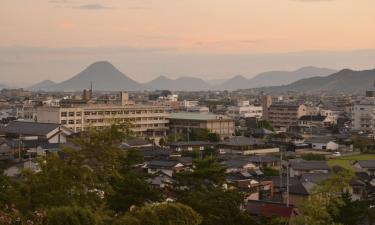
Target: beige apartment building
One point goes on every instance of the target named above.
(184, 121)
(147, 120)
(284, 115)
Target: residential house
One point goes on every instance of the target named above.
(367, 166)
(167, 166)
(300, 168)
(266, 209)
(315, 121)
(240, 145)
(190, 145)
(323, 143)
(238, 165)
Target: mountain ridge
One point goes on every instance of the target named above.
(343, 81)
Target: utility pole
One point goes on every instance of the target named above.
(281, 171)
(19, 147)
(287, 185)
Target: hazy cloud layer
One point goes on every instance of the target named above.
(35, 64)
(93, 7)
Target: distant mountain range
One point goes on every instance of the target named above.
(181, 84)
(274, 78)
(41, 86)
(344, 81)
(2, 86)
(105, 77)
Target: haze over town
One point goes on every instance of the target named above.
(211, 39)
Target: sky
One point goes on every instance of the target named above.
(211, 39)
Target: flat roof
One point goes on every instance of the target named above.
(196, 116)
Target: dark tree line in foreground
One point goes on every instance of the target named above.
(98, 185)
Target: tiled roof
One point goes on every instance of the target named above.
(241, 141)
(368, 164)
(235, 163)
(310, 165)
(30, 128)
(162, 164)
(269, 209)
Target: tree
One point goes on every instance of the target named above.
(265, 124)
(59, 183)
(161, 214)
(356, 209)
(132, 190)
(162, 142)
(217, 206)
(325, 202)
(269, 172)
(71, 216)
(213, 137)
(199, 134)
(100, 150)
(207, 173)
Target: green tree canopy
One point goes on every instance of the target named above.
(161, 214)
(70, 215)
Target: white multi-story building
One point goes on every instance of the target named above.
(147, 120)
(363, 116)
(245, 110)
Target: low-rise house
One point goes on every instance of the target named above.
(266, 209)
(136, 143)
(238, 165)
(167, 166)
(190, 145)
(240, 145)
(50, 132)
(287, 138)
(161, 180)
(8, 149)
(323, 143)
(255, 190)
(263, 161)
(261, 133)
(15, 170)
(300, 168)
(315, 121)
(367, 166)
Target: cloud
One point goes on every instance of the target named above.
(80, 50)
(93, 7)
(60, 1)
(313, 0)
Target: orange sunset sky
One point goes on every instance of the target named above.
(181, 27)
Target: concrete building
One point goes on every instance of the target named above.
(184, 121)
(363, 116)
(245, 110)
(266, 103)
(148, 120)
(284, 115)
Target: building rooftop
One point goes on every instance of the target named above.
(29, 128)
(241, 141)
(315, 118)
(368, 164)
(310, 165)
(196, 116)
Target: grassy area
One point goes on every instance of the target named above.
(347, 161)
